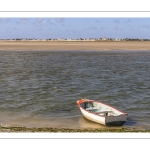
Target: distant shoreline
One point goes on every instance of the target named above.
(74, 45)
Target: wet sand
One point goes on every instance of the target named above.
(76, 45)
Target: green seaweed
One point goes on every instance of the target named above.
(62, 130)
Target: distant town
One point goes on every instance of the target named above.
(80, 39)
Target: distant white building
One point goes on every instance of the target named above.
(104, 39)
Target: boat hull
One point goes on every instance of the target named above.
(115, 120)
(93, 117)
(115, 123)
(118, 119)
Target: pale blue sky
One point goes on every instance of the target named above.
(45, 28)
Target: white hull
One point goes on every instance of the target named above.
(101, 113)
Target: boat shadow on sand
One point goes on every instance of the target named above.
(85, 123)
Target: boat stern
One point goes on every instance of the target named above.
(116, 120)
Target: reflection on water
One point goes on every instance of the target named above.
(45, 85)
(130, 122)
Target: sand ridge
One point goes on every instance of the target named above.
(76, 45)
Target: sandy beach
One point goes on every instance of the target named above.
(76, 45)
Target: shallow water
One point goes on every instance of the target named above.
(38, 88)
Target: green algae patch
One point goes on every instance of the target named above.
(66, 130)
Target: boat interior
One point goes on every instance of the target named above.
(99, 109)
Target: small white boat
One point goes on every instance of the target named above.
(101, 113)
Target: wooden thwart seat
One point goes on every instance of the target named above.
(97, 111)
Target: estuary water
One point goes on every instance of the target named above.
(40, 88)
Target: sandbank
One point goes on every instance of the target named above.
(74, 45)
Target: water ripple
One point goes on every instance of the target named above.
(47, 84)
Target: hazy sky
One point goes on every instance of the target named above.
(74, 28)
